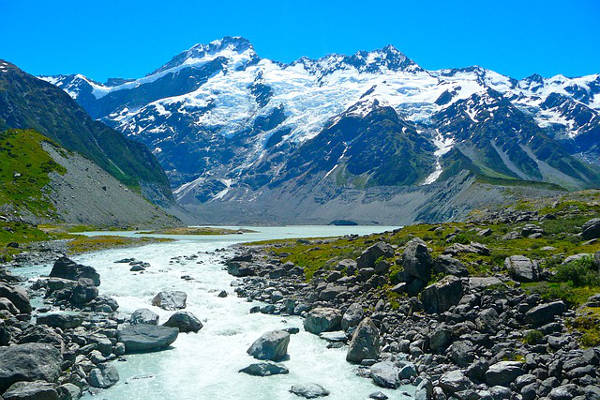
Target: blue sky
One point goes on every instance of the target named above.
(104, 39)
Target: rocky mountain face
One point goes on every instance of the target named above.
(27, 102)
(244, 139)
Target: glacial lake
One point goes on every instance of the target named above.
(205, 365)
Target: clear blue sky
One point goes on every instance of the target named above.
(104, 39)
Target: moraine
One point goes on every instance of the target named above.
(206, 364)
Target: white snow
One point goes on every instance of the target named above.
(444, 145)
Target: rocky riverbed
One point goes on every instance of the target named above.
(461, 337)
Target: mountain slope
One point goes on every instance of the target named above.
(30, 103)
(228, 126)
(43, 182)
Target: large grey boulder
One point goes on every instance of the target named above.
(184, 321)
(371, 254)
(503, 373)
(522, 269)
(170, 300)
(66, 268)
(352, 316)
(83, 292)
(7, 305)
(544, 313)
(454, 381)
(449, 265)
(385, 374)
(264, 369)
(36, 390)
(144, 316)
(322, 319)
(591, 229)
(270, 346)
(416, 259)
(309, 390)
(60, 320)
(239, 269)
(17, 295)
(364, 343)
(28, 362)
(442, 295)
(144, 338)
(104, 376)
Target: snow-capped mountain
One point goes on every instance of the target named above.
(229, 126)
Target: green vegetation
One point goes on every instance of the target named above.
(533, 337)
(20, 233)
(192, 230)
(84, 244)
(587, 323)
(24, 170)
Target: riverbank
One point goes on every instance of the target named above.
(506, 304)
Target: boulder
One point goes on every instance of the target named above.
(7, 305)
(522, 269)
(144, 316)
(352, 316)
(322, 319)
(184, 321)
(239, 269)
(503, 373)
(365, 342)
(104, 376)
(60, 320)
(143, 337)
(69, 391)
(264, 369)
(36, 390)
(66, 268)
(270, 346)
(440, 338)
(454, 381)
(309, 390)
(442, 295)
(544, 313)
(28, 362)
(368, 257)
(83, 292)
(170, 300)
(385, 374)
(448, 265)
(416, 259)
(17, 295)
(591, 229)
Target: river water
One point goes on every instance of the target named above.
(205, 365)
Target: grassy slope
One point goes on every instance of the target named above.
(24, 169)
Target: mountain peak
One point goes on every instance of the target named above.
(228, 47)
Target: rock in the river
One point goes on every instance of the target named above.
(544, 313)
(370, 255)
(416, 259)
(322, 319)
(503, 373)
(104, 376)
(28, 362)
(66, 268)
(184, 321)
(385, 374)
(522, 268)
(144, 316)
(309, 390)
(442, 295)
(170, 300)
(591, 229)
(270, 346)
(60, 320)
(17, 295)
(143, 337)
(84, 292)
(264, 369)
(365, 342)
(69, 391)
(36, 390)
(352, 316)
